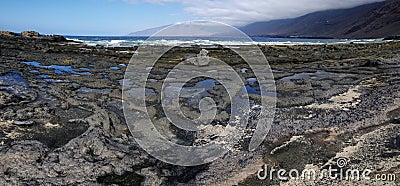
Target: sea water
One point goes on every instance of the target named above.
(128, 41)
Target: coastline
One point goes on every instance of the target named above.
(131, 41)
(59, 124)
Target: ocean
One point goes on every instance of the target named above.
(126, 41)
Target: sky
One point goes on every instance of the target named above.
(121, 17)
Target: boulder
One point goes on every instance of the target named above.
(55, 38)
(30, 34)
(34, 34)
(7, 33)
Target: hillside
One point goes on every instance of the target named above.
(374, 20)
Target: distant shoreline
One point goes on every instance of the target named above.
(128, 41)
(134, 41)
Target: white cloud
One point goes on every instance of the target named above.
(240, 12)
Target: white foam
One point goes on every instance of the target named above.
(206, 42)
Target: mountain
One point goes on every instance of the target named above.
(380, 22)
(186, 29)
(148, 32)
(376, 20)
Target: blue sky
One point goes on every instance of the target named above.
(87, 17)
(120, 17)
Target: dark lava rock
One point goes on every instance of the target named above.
(55, 38)
(394, 143)
(128, 178)
(394, 115)
(372, 63)
(83, 138)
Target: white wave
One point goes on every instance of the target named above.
(206, 42)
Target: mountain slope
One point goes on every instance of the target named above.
(374, 20)
(186, 29)
(148, 32)
(382, 21)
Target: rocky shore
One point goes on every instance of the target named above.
(62, 121)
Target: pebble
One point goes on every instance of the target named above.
(23, 123)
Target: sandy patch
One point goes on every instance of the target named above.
(374, 82)
(343, 101)
(50, 125)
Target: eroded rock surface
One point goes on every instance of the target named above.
(60, 127)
